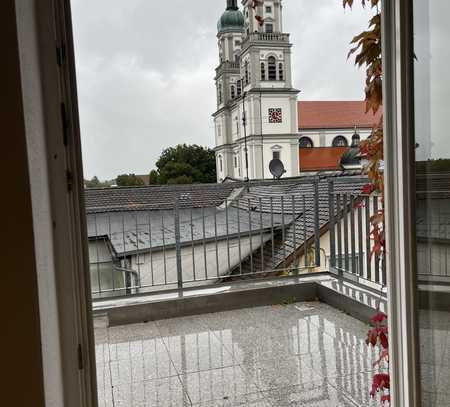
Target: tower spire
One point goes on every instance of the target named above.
(232, 5)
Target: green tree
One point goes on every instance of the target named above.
(94, 182)
(182, 179)
(186, 164)
(129, 180)
(153, 178)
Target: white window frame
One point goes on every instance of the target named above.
(399, 200)
(59, 219)
(58, 212)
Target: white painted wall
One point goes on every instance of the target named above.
(216, 264)
(325, 137)
(276, 102)
(99, 251)
(284, 147)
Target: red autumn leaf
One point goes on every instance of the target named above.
(260, 20)
(376, 249)
(378, 317)
(380, 382)
(386, 398)
(368, 189)
(384, 355)
(372, 337)
(384, 340)
(364, 149)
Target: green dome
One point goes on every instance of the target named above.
(231, 20)
(351, 158)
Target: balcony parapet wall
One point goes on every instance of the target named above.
(227, 66)
(266, 37)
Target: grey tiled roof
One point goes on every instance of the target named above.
(133, 231)
(300, 197)
(140, 218)
(156, 197)
(103, 200)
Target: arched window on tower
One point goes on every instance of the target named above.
(220, 163)
(305, 142)
(272, 68)
(219, 93)
(263, 71)
(239, 87)
(246, 73)
(340, 141)
(280, 72)
(233, 92)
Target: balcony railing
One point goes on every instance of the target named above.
(227, 65)
(351, 245)
(254, 232)
(267, 37)
(244, 237)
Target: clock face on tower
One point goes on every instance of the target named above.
(275, 115)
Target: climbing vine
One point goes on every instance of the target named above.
(367, 50)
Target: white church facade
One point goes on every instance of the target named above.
(258, 117)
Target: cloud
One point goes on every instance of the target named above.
(145, 72)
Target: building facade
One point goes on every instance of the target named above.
(258, 117)
(328, 129)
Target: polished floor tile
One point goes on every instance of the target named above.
(287, 355)
(314, 394)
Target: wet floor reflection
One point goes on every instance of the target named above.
(299, 354)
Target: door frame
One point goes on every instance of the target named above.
(48, 82)
(398, 69)
(45, 33)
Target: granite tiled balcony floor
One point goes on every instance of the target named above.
(303, 354)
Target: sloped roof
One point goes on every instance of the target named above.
(156, 197)
(335, 115)
(131, 231)
(321, 158)
(263, 205)
(299, 196)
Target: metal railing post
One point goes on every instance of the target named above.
(339, 233)
(331, 208)
(178, 244)
(353, 236)
(316, 222)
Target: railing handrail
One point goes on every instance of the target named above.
(272, 228)
(257, 36)
(228, 65)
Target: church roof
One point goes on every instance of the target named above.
(335, 115)
(321, 158)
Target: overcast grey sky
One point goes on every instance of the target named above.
(145, 72)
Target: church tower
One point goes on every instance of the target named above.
(256, 117)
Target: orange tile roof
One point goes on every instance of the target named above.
(321, 158)
(335, 115)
